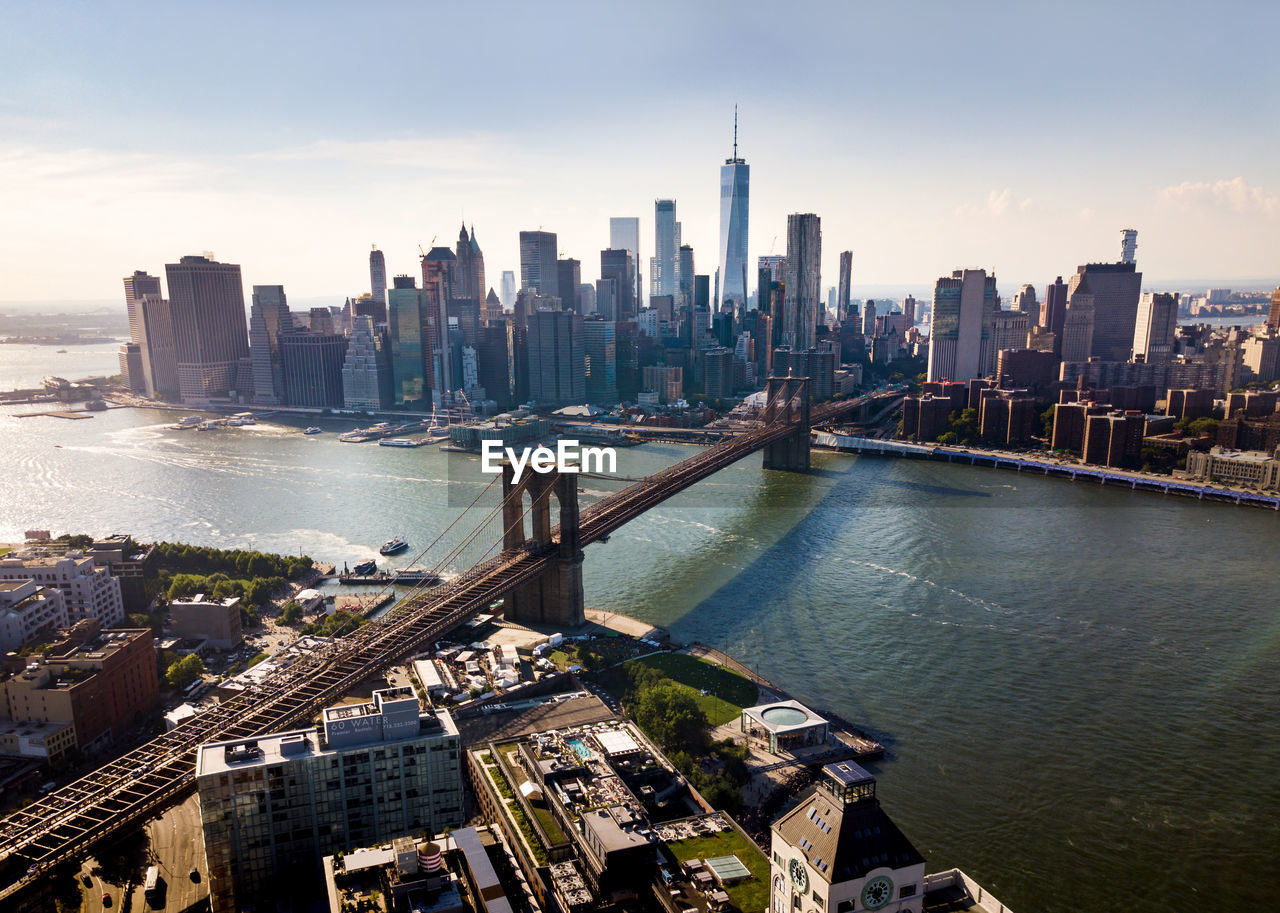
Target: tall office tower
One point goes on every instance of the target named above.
(538, 262)
(369, 772)
(1116, 288)
(160, 356)
(735, 191)
(557, 358)
(365, 371)
(624, 234)
(464, 319)
(601, 345)
(1078, 323)
(663, 279)
(136, 288)
(408, 338)
(869, 313)
(269, 319)
(803, 279)
(378, 285)
(439, 275)
(909, 310)
(1128, 245)
(569, 279)
(211, 335)
(508, 286)
(494, 363)
(1008, 331)
(607, 298)
(1157, 327)
(311, 364)
(964, 307)
(846, 283)
(1024, 299)
(587, 297)
(469, 272)
(1273, 316)
(618, 264)
(684, 268)
(1054, 310)
(492, 307)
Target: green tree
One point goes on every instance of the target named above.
(1046, 422)
(291, 614)
(670, 715)
(1201, 426)
(184, 671)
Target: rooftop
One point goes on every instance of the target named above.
(784, 716)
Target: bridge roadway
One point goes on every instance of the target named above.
(122, 794)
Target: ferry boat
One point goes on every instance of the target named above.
(394, 546)
(402, 442)
(415, 577)
(365, 568)
(314, 430)
(189, 421)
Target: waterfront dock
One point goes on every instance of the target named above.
(1024, 462)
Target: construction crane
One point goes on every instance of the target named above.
(422, 253)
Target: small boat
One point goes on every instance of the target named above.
(394, 546)
(314, 430)
(61, 352)
(190, 421)
(365, 568)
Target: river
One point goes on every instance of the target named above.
(1078, 686)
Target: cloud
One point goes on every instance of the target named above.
(1235, 194)
(470, 153)
(998, 203)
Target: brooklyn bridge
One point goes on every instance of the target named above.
(522, 559)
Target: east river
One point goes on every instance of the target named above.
(1079, 687)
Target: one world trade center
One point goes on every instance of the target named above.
(735, 180)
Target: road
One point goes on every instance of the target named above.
(177, 846)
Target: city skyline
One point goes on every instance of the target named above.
(294, 178)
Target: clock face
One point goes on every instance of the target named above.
(877, 892)
(799, 877)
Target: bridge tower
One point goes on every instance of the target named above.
(787, 401)
(556, 597)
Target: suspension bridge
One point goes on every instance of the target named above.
(534, 568)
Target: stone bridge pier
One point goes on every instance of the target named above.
(556, 597)
(787, 401)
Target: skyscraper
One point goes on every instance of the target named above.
(538, 262)
(469, 273)
(684, 269)
(963, 312)
(846, 282)
(365, 373)
(508, 295)
(600, 344)
(869, 314)
(268, 320)
(408, 359)
(803, 280)
(1273, 315)
(439, 276)
(1024, 299)
(1078, 322)
(557, 358)
(211, 335)
(735, 185)
(136, 288)
(311, 364)
(378, 285)
(618, 264)
(624, 234)
(663, 278)
(568, 279)
(1054, 311)
(1157, 327)
(1116, 288)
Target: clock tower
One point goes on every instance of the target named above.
(837, 851)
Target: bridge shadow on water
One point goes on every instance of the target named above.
(767, 614)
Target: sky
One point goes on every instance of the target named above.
(928, 136)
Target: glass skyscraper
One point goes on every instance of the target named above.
(735, 181)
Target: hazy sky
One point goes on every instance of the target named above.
(287, 137)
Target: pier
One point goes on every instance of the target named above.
(1023, 462)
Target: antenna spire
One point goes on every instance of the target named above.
(735, 131)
